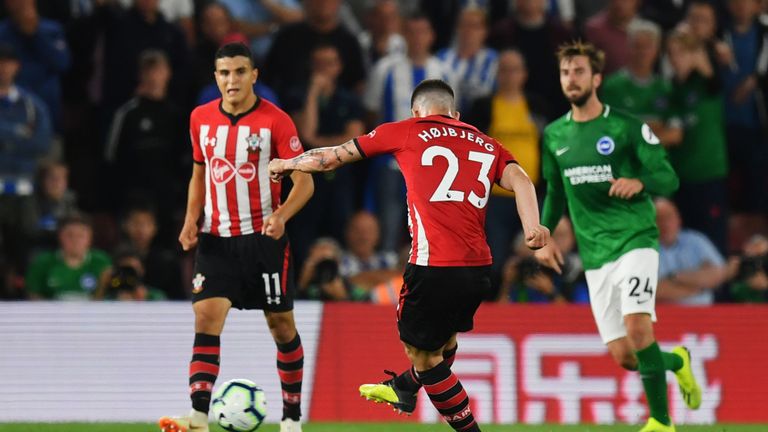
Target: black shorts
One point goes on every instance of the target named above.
(253, 271)
(436, 302)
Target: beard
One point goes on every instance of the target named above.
(581, 99)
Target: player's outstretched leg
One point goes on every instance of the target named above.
(401, 397)
(653, 374)
(400, 390)
(448, 396)
(290, 368)
(689, 388)
(203, 371)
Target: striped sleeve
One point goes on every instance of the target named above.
(194, 137)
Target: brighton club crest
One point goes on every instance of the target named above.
(254, 143)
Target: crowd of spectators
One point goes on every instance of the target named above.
(95, 97)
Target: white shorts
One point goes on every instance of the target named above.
(622, 287)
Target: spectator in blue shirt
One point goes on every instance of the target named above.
(25, 135)
(388, 98)
(41, 49)
(472, 64)
(261, 18)
(690, 267)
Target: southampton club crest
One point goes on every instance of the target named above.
(254, 143)
(197, 283)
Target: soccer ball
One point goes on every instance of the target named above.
(239, 405)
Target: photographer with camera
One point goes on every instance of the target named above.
(320, 278)
(749, 272)
(523, 280)
(126, 281)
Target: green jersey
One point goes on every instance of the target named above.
(579, 161)
(51, 278)
(648, 99)
(703, 153)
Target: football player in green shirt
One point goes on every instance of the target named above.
(606, 164)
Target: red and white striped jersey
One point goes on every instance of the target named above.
(449, 168)
(236, 151)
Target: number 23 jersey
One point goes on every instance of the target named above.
(449, 169)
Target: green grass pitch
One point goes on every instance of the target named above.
(369, 427)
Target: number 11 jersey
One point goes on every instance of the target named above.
(449, 169)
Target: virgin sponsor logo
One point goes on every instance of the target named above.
(222, 170)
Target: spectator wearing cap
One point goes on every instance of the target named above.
(25, 135)
(41, 49)
(72, 272)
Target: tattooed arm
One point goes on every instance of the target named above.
(315, 160)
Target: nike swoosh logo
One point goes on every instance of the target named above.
(559, 152)
(644, 301)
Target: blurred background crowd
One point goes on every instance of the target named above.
(95, 156)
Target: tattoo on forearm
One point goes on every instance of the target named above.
(312, 158)
(349, 152)
(336, 152)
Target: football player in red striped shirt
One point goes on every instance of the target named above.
(243, 258)
(449, 167)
